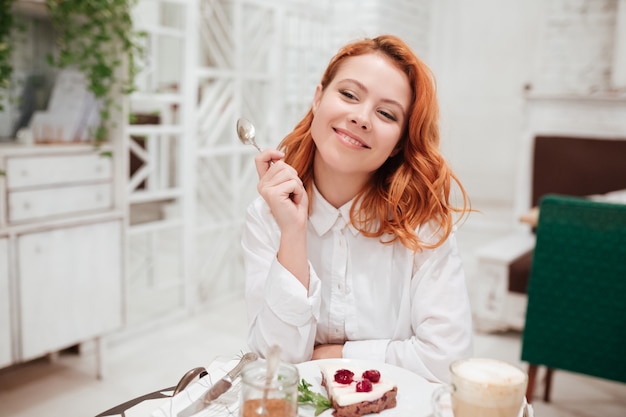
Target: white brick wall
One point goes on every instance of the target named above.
(408, 19)
(576, 47)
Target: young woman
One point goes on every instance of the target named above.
(350, 249)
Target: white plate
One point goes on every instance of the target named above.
(414, 392)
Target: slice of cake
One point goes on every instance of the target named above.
(356, 392)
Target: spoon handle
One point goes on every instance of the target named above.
(273, 358)
(256, 146)
(245, 359)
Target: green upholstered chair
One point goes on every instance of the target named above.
(576, 314)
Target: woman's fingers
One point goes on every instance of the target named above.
(264, 160)
(282, 189)
(280, 178)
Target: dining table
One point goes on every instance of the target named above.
(414, 393)
(413, 399)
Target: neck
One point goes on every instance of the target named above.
(338, 188)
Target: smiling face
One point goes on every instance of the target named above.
(359, 118)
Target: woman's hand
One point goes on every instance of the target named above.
(282, 189)
(327, 351)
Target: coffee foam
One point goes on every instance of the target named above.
(488, 382)
(489, 371)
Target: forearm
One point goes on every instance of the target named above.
(327, 351)
(428, 358)
(292, 254)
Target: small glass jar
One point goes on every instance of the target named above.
(282, 391)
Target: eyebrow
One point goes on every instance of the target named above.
(363, 87)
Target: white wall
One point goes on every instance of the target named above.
(482, 53)
(408, 19)
(491, 56)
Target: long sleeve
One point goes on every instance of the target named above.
(280, 310)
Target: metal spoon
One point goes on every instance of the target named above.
(246, 132)
(272, 361)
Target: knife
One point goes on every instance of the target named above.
(218, 388)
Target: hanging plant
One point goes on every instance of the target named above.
(97, 37)
(6, 24)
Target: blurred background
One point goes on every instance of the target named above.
(179, 181)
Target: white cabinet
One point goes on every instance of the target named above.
(5, 306)
(61, 249)
(42, 170)
(70, 287)
(41, 186)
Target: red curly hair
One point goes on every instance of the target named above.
(413, 186)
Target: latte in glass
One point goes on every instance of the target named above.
(482, 387)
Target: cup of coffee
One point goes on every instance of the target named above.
(482, 387)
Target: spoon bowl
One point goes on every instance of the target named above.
(246, 132)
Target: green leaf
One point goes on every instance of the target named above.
(93, 35)
(315, 399)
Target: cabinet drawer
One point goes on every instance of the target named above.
(33, 171)
(36, 204)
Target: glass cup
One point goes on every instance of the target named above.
(482, 387)
(281, 392)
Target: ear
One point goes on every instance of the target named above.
(317, 98)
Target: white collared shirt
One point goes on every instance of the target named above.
(383, 301)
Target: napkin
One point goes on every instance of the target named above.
(142, 408)
(146, 407)
(226, 405)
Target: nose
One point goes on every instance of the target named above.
(359, 117)
(361, 122)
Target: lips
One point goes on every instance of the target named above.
(351, 139)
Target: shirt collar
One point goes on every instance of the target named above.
(324, 216)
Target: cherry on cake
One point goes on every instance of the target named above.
(355, 392)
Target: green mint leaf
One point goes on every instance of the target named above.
(315, 399)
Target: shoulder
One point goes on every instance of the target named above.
(430, 232)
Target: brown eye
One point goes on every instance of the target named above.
(387, 115)
(348, 94)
